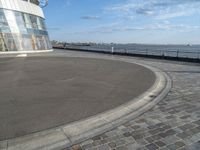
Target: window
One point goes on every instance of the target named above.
(34, 21)
(10, 42)
(39, 24)
(35, 2)
(42, 24)
(27, 21)
(3, 22)
(2, 43)
(20, 22)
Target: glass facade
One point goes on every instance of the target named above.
(21, 31)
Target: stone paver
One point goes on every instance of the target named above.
(172, 124)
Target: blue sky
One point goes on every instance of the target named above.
(124, 21)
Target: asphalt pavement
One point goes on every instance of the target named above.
(38, 93)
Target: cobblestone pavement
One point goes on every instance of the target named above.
(172, 124)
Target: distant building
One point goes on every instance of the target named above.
(22, 26)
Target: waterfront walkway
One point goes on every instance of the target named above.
(172, 124)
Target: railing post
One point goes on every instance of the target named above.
(177, 54)
(163, 53)
(126, 51)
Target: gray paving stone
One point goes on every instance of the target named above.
(77, 147)
(127, 134)
(112, 145)
(141, 148)
(187, 126)
(167, 133)
(195, 146)
(176, 145)
(152, 146)
(129, 140)
(164, 148)
(3, 145)
(141, 142)
(87, 146)
(122, 148)
(183, 135)
(133, 146)
(160, 143)
(92, 148)
(170, 139)
(120, 142)
(103, 147)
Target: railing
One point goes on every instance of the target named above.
(166, 54)
(162, 53)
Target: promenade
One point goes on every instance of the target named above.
(173, 123)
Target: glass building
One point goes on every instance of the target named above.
(22, 26)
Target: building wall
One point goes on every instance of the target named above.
(22, 26)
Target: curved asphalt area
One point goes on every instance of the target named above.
(39, 93)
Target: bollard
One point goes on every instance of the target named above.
(112, 50)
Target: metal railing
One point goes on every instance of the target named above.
(167, 54)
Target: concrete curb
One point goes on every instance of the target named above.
(25, 52)
(76, 132)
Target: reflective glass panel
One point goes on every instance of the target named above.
(21, 31)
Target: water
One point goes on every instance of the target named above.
(185, 51)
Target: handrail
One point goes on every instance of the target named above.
(145, 52)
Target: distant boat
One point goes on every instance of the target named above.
(189, 44)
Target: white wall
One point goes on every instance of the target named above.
(22, 6)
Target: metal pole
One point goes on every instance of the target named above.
(163, 53)
(125, 51)
(177, 53)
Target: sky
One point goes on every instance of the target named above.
(124, 21)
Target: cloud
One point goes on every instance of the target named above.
(159, 9)
(90, 17)
(156, 26)
(144, 11)
(113, 28)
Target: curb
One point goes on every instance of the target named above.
(25, 52)
(76, 132)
